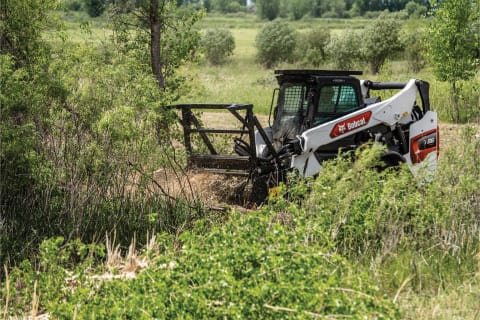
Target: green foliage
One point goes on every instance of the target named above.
(88, 164)
(381, 41)
(332, 8)
(387, 212)
(227, 6)
(207, 4)
(259, 265)
(60, 267)
(453, 43)
(344, 51)
(311, 47)
(275, 43)
(178, 41)
(218, 45)
(83, 128)
(74, 5)
(413, 41)
(268, 9)
(415, 9)
(22, 23)
(94, 8)
(468, 100)
(299, 8)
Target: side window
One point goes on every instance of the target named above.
(347, 99)
(294, 99)
(334, 101)
(340, 98)
(326, 102)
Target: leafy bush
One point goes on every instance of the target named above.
(95, 8)
(226, 6)
(372, 14)
(414, 43)
(311, 48)
(91, 168)
(262, 265)
(218, 45)
(268, 9)
(83, 129)
(275, 43)
(344, 51)
(381, 40)
(299, 8)
(415, 9)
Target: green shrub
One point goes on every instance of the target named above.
(275, 43)
(95, 8)
(415, 9)
(311, 47)
(381, 40)
(344, 51)
(261, 265)
(91, 141)
(218, 44)
(299, 8)
(413, 41)
(268, 9)
(372, 14)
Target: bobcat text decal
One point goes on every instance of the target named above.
(351, 124)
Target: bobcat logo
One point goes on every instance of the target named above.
(345, 126)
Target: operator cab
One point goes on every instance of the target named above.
(308, 98)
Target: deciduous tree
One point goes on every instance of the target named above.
(268, 9)
(452, 44)
(168, 32)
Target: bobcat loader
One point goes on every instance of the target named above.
(316, 113)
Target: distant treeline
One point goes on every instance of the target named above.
(272, 9)
(297, 9)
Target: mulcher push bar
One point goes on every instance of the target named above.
(227, 164)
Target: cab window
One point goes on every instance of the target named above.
(294, 101)
(335, 101)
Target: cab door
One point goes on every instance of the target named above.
(291, 112)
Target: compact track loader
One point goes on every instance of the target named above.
(315, 114)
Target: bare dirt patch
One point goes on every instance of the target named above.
(213, 189)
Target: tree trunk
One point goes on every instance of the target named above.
(455, 101)
(155, 37)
